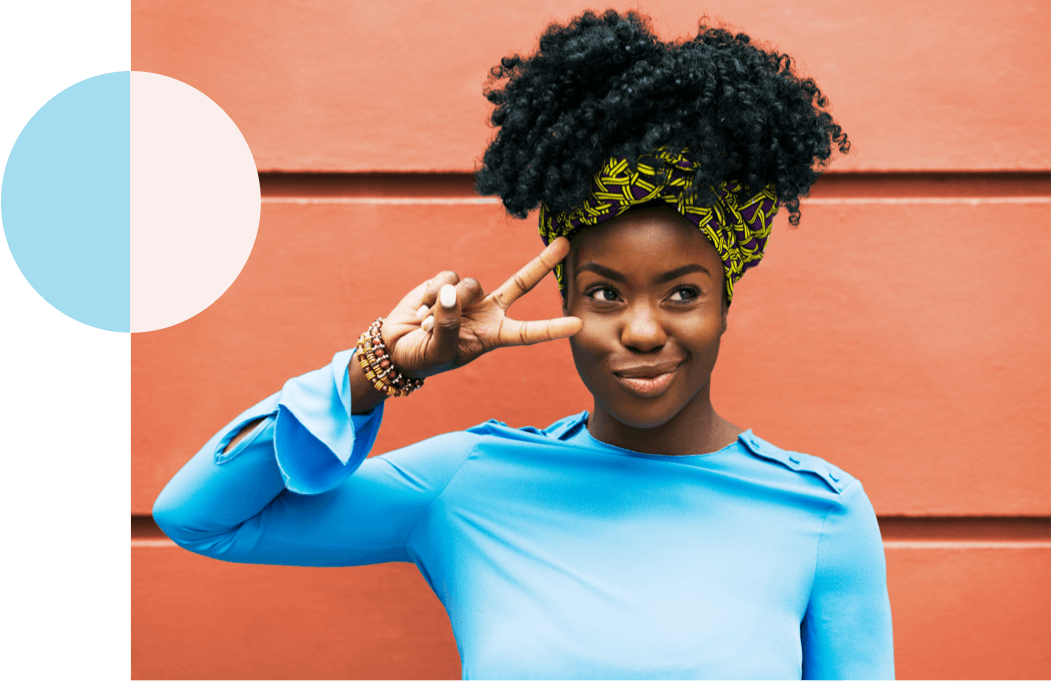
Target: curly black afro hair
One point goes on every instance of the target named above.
(603, 86)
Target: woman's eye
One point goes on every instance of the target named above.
(684, 294)
(603, 293)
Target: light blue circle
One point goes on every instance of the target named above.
(66, 201)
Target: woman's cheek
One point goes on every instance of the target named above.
(703, 329)
(591, 346)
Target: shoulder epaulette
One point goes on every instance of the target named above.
(566, 426)
(558, 430)
(835, 478)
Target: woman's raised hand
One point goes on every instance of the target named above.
(447, 322)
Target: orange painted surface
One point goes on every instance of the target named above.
(958, 613)
(197, 618)
(887, 338)
(905, 340)
(319, 85)
(970, 613)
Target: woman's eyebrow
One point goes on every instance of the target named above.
(662, 278)
(682, 271)
(601, 271)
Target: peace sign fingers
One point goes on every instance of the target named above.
(515, 332)
(529, 276)
(446, 322)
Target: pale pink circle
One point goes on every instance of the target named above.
(194, 201)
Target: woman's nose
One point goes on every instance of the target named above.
(642, 330)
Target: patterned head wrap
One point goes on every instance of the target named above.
(738, 224)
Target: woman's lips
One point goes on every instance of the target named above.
(648, 386)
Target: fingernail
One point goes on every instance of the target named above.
(447, 296)
(428, 324)
(423, 312)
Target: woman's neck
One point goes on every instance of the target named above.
(695, 429)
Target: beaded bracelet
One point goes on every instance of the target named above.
(375, 360)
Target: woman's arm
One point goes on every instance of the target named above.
(364, 398)
(278, 483)
(847, 633)
(235, 501)
(301, 440)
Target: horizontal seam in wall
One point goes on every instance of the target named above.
(838, 185)
(383, 201)
(993, 527)
(432, 201)
(910, 200)
(940, 544)
(899, 532)
(889, 544)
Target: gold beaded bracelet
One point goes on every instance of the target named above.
(375, 360)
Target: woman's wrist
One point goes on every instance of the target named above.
(377, 362)
(363, 396)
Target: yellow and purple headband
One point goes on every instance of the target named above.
(737, 224)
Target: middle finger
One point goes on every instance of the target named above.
(467, 292)
(430, 292)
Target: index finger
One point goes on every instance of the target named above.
(529, 276)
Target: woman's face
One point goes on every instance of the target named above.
(649, 289)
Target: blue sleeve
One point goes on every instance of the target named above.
(298, 489)
(846, 633)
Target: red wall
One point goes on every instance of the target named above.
(902, 331)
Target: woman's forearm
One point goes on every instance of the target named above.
(306, 438)
(244, 432)
(364, 398)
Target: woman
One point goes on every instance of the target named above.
(648, 537)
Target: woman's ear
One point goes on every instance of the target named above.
(726, 311)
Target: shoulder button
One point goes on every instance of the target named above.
(793, 461)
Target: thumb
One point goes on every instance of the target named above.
(446, 334)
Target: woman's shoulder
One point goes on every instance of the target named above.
(807, 469)
(460, 444)
(559, 430)
(762, 460)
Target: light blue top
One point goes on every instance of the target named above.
(556, 555)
